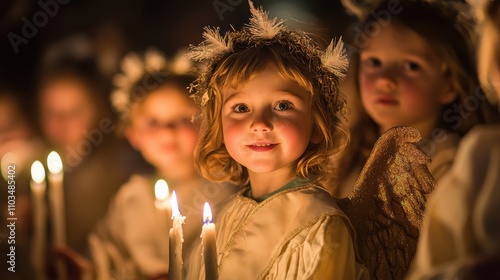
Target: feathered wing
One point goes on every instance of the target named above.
(387, 205)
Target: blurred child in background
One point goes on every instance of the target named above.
(415, 73)
(461, 232)
(76, 121)
(157, 114)
(19, 147)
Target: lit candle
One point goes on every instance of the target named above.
(161, 194)
(38, 188)
(56, 200)
(163, 211)
(208, 242)
(175, 239)
(56, 196)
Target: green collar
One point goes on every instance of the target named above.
(292, 184)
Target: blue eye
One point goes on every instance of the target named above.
(240, 108)
(283, 105)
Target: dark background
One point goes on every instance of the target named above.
(133, 25)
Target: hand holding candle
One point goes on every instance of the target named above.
(38, 188)
(175, 239)
(208, 242)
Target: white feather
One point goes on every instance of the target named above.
(155, 61)
(119, 99)
(261, 26)
(132, 66)
(213, 46)
(204, 98)
(334, 59)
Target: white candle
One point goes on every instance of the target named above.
(38, 188)
(175, 239)
(56, 198)
(208, 242)
(163, 213)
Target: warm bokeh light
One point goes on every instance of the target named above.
(54, 162)
(161, 190)
(37, 172)
(7, 160)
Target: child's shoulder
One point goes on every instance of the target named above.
(137, 185)
(314, 196)
(479, 145)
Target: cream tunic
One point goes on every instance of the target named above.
(461, 221)
(297, 233)
(132, 241)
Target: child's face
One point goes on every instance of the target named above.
(162, 131)
(402, 80)
(67, 113)
(267, 122)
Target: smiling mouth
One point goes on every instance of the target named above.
(387, 101)
(261, 147)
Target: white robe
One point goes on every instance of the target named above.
(461, 222)
(298, 233)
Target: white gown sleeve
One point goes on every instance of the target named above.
(324, 251)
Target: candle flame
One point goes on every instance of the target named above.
(161, 190)
(207, 213)
(175, 206)
(54, 162)
(37, 172)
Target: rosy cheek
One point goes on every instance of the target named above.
(366, 85)
(191, 140)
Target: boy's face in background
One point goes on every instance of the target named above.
(162, 131)
(66, 112)
(402, 80)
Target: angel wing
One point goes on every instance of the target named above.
(387, 205)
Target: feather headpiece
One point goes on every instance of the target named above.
(327, 66)
(135, 67)
(457, 12)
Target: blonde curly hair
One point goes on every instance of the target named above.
(212, 158)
